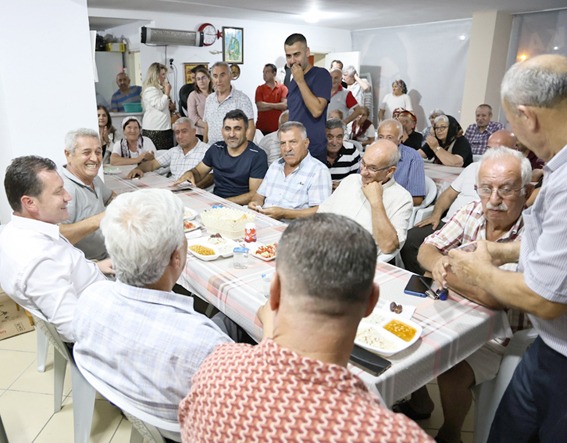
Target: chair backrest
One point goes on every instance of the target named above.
(358, 145)
(148, 425)
(431, 189)
(53, 336)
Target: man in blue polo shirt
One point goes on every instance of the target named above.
(410, 173)
(239, 165)
(125, 93)
(309, 94)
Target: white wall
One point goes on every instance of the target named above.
(46, 79)
(431, 59)
(263, 42)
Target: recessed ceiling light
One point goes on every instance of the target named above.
(555, 48)
(462, 37)
(523, 57)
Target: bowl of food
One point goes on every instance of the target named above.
(227, 221)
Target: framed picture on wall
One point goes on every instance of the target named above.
(189, 74)
(232, 45)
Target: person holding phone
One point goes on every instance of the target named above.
(156, 102)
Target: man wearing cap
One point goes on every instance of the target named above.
(411, 138)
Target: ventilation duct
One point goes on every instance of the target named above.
(156, 36)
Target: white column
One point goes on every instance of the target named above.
(46, 80)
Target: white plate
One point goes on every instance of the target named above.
(195, 226)
(225, 250)
(386, 344)
(255, 246)
(189, 214)
(111, 170)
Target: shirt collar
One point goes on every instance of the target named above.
(281, 163)
(74, 178)
(510, 234)
(559, 159)
(153, 296)
(36, 225)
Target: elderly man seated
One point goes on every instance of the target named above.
(503, 184)
(374, 199)
(89, 194)
(461, 192)
(239, 165)
(410, 172)
(343, 158)
(296, 184)
(295, 385)
(39, 269)
(188, 153)
(137, 335)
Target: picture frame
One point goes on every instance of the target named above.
(188, 70)
(233, 44)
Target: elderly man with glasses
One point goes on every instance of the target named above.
(374, 199)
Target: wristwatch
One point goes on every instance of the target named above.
(438, 147)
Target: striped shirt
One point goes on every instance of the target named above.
(271, 145)
(178, 162)
(477, 139)
(346, 163)
(118, 99)
(410, 172)
(543, 256)
(215, 111)
(307, 186)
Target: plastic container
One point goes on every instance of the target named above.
(132, 107)
(228, 222)
(250, 233)
(240, 258)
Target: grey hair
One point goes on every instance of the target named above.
(393, 121)
(335, 69)
(220, 63)
(71, 139)
(350, 71)
(501, 152)
(182, 120)
(329, 259)
(141, 230)
(436, 112)
(395, 158)
(282, 116)
(442, 118)
(288, 126)
(335, 123)
(533, 85)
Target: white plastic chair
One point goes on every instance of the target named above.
(489, 393)
(144, 425)
(83, 393)
(430, 196)
(42, 348)
(476, 157)
(358, 145)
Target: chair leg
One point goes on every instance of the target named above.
(59, 369)
(42, 347)
(83, 406)
(135, 436)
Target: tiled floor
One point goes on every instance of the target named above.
(26, 402)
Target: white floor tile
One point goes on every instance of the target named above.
(14, 363)
(122, 434)
(41, 382)
(24, 342)
(25, 414)
(59, 429)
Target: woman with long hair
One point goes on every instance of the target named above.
(156, 100)
(449, 147)
(106, 132)
(198, 97)
(134, 148)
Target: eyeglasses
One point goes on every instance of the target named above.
(372, 169)
(486, 191)
(439, 128)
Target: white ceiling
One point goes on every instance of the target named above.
(358, 14)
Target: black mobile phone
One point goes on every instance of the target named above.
(416, 287)
(368, 361)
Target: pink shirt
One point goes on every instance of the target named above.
(196, 109)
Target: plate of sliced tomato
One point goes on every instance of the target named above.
(264, 252)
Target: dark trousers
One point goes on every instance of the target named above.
(411, 247)
(534, 406)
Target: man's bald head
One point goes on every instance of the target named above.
(502, 138)
(379, 162)
(384, 149)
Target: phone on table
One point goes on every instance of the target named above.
(417, 287)
(368, 361)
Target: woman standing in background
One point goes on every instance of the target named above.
(156, 102)
(198, 97)
(399, 98)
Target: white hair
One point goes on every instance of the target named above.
(533, 85)
(436, 112)
(350, 71)
(289, 125)
(72, 137)
(395, 122)
(141, 230)
(335, 69)
(182, 120)
(220, 63)
(442, 118)
(499, 152)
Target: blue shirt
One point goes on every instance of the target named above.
(410, 172)
(232, 174)
(307, 186)
(319, 82)
(118, 99)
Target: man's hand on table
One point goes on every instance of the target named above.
(266, 317)
(105, 267)
(274, 212)
(188, 176)
(439, 271)
(136, 172)
(471, 267)
(254, 206)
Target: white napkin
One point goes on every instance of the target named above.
(407, 310)
(193, 234)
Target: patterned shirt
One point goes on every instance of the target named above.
(215, 111)
(346, 163)
(477, 139)
(146, 344)
(410, 172)
(178, 162)
(272, 394)
(118, 99)
(307, 186)
(271, 145)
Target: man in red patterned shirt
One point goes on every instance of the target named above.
(294, 386)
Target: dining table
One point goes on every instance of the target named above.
(451, 329)
(442, 175)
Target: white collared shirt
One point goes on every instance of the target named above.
(42, 272)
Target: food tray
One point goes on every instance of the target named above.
(254, 248)
(228, 222)
(225, 250)
(189, 214)
(111, 170)
(194, 225)
(386, 343)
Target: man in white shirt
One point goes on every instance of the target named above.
(374, 199)
(39, 269)
(185, 156)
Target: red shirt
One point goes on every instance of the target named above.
(268, 120)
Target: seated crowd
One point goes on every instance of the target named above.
(102, 268)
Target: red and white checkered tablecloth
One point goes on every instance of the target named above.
(442, 175)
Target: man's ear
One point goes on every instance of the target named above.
(529, 189)
(374, 296)
(275, 292)
(531, 118)
(175, 259)
(28, 203)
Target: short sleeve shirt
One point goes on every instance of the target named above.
(410, 172)
(268, 120)
(343, 100)
(232, 174)
(215, 111)
(319, 82)
(178, 162)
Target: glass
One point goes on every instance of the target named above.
(240, 258)
(486, 191)
(372, 169)
(437, 128)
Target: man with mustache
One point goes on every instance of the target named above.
(239, 165)
(296, 184)
(503, 185)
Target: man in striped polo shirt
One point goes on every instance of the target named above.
(125, 93)
(343, 158)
